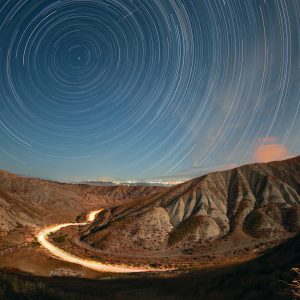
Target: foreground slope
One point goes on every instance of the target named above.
(256, 202)
(266, 277)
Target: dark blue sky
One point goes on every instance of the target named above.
(147, 88)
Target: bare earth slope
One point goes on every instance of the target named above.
(33, 202)
(257, 202)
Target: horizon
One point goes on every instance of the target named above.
(160, 180)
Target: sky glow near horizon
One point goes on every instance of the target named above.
(140, 89)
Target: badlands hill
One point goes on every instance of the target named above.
(248, 206)
(33, 202)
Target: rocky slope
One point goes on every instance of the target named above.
(33, 202)
(252, 202)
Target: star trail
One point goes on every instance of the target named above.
(147, 88)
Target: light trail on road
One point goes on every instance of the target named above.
(65, 256)
(92, 215)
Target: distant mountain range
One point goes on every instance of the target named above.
(146, 182)
(98, 183)
(256, 204)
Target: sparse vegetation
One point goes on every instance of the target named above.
(15, 288)
(295, 285)
(60, 239)
(35, 243)
(254, 218)
(184, 229)
(253, 222)
(97, 257)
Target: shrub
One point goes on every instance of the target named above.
(35, 243)
(295, 285)
(184, 229)
(15, 288)
(59, 239)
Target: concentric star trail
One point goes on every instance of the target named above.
(140, 88)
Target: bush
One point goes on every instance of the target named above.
(15, 288)
(35, 243)
(184, 229)
(59, 239)
(295, 285)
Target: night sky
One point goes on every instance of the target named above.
(148, 88)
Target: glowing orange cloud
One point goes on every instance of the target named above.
(271, 152)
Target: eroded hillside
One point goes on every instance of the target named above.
(33, 202)
(253, 202)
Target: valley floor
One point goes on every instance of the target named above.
(265, 277)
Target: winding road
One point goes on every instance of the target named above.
(42, 237)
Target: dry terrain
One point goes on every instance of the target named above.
(29, 204)
(207, 229)
(220, 216)
(266, 277)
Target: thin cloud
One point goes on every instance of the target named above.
(196, 171)
(268, 140)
